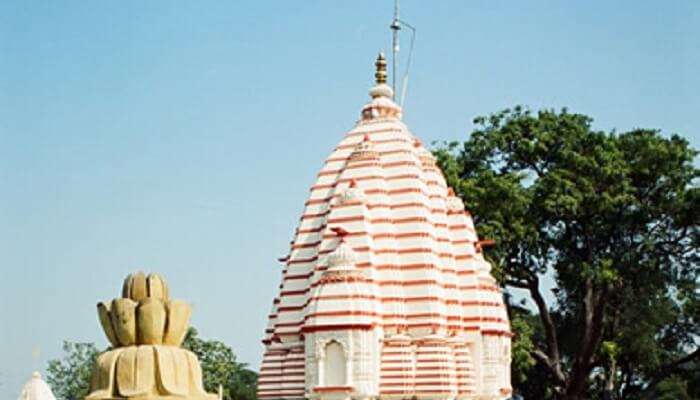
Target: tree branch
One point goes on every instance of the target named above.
(552, 355)
(542, 357)
(593, 310)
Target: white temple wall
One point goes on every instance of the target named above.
(474, 345)
(491, 355)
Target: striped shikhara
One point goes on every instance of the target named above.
(419, 273)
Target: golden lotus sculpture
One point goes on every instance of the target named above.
(146, 361)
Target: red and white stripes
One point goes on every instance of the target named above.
(416, 269)
(464, 367)
(435, 369)
(397, 368)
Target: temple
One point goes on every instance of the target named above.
(36, 389)
(385, 292)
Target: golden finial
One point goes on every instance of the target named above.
(380, 75)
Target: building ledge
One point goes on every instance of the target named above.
(333, 389)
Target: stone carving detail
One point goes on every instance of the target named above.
(364, 151)
(351, 194)
(146, 361)
(324, 340)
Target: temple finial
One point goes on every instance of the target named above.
(380, 89)
(380, 74)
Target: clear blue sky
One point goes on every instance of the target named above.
(182, 137)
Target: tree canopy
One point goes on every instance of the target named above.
(612, 218)
(69, 377)
(221, 369)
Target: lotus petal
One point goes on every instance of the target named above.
(106, 322)
(139, 290)
(126, 287)
(173, 368)
(151, 321)
(136, 371)
(196, 386)
(156, 287)
(178, 321)
(123, 316)
(102, 381)
(166, 290)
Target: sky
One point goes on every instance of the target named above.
(183, 137)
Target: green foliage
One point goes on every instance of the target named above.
(522, 347)
(672, 388)
(220, 368)
(613, 217)
(69, 377)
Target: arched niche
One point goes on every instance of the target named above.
(334, 365)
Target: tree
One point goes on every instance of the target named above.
(613, 219)
(672, 388)
(69, 377)
(220, 368)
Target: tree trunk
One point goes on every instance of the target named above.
(609, 389)
(593, 306)
(575, 393)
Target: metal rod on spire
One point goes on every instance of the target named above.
(404, 86)
(395, 27)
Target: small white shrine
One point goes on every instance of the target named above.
(36, 389)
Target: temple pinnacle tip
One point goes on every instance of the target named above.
(380, 74)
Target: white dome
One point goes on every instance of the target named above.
(36, 389)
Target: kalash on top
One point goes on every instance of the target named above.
(385, 292)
